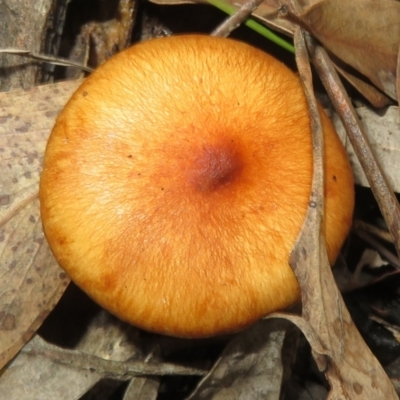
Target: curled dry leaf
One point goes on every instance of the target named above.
(381, 130)
(382, 191)
(31, 281)
(40, 376)
(364, 34)
(32, 377)
(336, 23)
(267, 11)
(251, 365)
(350, 361)
(142, 388)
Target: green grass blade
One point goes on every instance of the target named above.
(254, 25)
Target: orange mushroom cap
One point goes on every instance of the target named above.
(176, 181)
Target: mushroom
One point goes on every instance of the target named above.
(176, 181)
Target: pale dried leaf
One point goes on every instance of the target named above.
(31, 281)
(372, 259)
(110, 349)
(383, 134)
(30, 377)
(267, 12)
(369, 91)
(384, 195)
(350, 360)
(365, 34)
(250, 368)
(35, 377)
(143, 389)
(309, 333)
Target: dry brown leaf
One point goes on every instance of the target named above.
(35, 377)
(365, 34)
(381, 130)
(267, 12)
(250, 367)
(143, 388)
(110, 349)
(369, 91)
(31, 281)
(351, 369)
(384, 195)
(28, 377)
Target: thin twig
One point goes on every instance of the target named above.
(254, 25)
(122, 370)
(380, 233)
(45, 58)
(382, 250)
(380, 187)
(235, 20)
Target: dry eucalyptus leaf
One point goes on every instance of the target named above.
(372, 259)
(384, 195)
(383, 134)
(365, 34)
(345, 358)
(142, 388)
(250, 368)
(110, 349)
(35, 377)
(269, 13)
(32, 282)
(266, 12)
(369, 91)
(30, 377)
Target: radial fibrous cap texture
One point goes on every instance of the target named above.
(176, 181)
